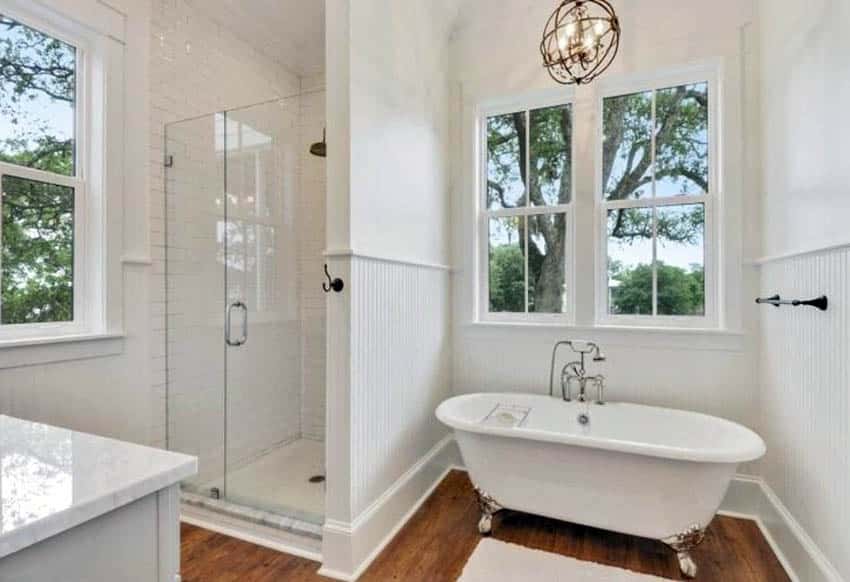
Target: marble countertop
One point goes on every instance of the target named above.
(53, 479)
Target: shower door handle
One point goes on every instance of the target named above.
(228, 324)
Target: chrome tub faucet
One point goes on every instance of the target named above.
(575, 371)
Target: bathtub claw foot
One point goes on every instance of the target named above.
(682, 544)
(489, 507)
(687, 565)
(485, 525)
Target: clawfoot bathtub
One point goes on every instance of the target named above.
(640, 470)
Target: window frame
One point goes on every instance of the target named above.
(88, 297)
(712, 200)
(525, 102)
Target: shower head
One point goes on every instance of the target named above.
(320, 148)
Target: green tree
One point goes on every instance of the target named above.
(507, 279)
(37, 80)
(680, 291)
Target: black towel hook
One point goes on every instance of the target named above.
(335, 284)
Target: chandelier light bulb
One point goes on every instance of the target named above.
(599, 28)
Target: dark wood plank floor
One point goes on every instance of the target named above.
(436, 543)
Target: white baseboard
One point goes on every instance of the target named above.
(750, 497)
(803, 559)
(350, 548)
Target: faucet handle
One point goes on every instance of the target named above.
(566, 385)
(600, 389)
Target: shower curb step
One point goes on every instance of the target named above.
(255, 516)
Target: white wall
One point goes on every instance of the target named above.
(805, 407)
(100, 395)
(388, 332)
(495, 54)
(805, 85)
(398, 123)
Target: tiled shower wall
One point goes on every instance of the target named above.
(311, 238)
(199, 67)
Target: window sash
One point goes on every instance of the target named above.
(81, 47)
(526, 105)
(710, 199)
(79, 324)
(484, 272)
(83, 310)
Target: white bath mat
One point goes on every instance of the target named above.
(495, 561)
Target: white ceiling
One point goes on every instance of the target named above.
(290, 31)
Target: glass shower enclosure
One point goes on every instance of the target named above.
(233, 325)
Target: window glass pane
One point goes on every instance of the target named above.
(507, 265)
(551, 149)
(626, 146)
(681, 260)
(37, 252)
(630, 261)
(37, 95)
(546, 263)
(681, 146)
(506, 161)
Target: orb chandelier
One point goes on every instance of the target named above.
(580, 41)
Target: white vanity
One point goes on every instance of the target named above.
(76, 507)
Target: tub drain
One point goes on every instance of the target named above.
(317, 479)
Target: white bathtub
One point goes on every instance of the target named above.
(639, 470)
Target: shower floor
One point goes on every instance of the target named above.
(279, 481)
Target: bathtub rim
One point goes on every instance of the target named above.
(745, 453)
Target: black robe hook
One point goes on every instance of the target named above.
(332, 284)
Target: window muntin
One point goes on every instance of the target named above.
(527, 199)
(656, 201)
(42, 189)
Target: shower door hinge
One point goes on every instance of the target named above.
(169, 161)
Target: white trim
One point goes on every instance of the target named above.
(47, 350)
(823, 248)
(371, 511)
(811, 561)
(667, 338)
(351, 253)
(141, 260)
(371, 531)
(801, 558)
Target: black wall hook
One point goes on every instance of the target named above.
(820, 302)
(333, 284)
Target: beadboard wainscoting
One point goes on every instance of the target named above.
(805, 405)
(400, 367)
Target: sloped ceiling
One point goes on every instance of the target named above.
(292, 32)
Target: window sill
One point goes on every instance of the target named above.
(47, 350)
(630, 336)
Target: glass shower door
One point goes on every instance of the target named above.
(263, 344)
(194, 297)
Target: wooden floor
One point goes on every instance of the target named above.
(436, 543)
